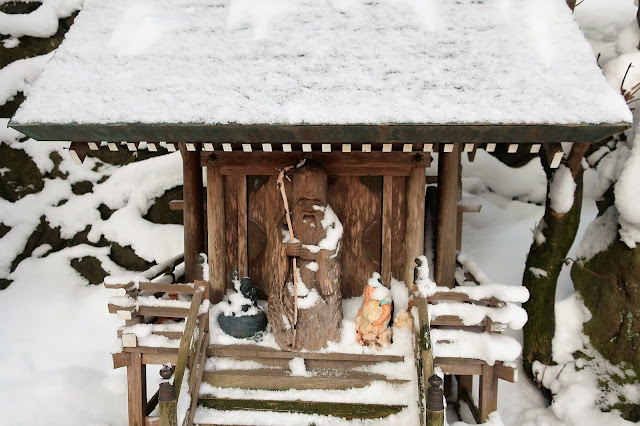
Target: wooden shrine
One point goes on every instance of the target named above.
(369, 91)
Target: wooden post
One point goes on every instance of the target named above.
(243, 254)
(458, 198)
(136, 390)
(414, 233)
(435, 403)
(387, 203)
(488, 394)
(445, 265)
(193, 214)
(216, 227)
(167, 399)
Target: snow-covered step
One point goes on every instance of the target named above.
(281, 379)
(312, 360)
(343, 410)
(487, 347)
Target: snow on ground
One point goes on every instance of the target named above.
(55, 365)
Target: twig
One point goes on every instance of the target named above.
(624, 78)
(568, 259)
(578, 4)
(560, 372)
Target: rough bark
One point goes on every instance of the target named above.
(609, 284)
(559, 232)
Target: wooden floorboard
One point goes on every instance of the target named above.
(337, 409)
(275, 379)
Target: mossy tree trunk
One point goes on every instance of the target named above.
(559, 233)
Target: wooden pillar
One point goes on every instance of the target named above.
(414, 234)
(445, 264)
(488, 394)
(243, 252)
(459, 213)
(136, 390)
(216, 227)
(193, 213)
(387, 205)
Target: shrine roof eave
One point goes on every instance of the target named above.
(301, 133)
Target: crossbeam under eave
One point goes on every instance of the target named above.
(353, 133)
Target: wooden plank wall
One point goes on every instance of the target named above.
(358, 202)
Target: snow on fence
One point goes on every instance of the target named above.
(165, 323)
(465, 326)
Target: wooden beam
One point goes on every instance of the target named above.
(335, 163)
(387, 205)
(356, 133)
(193, 214)
(121, 359)
(216, 225)
(154, 311)
(414, 229)
(445, 262)
(136, 390)
(488, 393)
(243, 251)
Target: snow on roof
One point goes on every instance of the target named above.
(323, 62)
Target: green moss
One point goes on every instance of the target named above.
(56, 173)
(560, 232)
(609, 284)
(160, 211)
(105, 212)
(22, 177)
(44, 234)
(81, 188)
(90, 268)
(127, 258)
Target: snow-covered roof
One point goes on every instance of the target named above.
(319, 62)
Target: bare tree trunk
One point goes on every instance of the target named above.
(559, 232)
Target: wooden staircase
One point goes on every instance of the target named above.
(324, 371)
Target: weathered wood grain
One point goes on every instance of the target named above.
(216, 227)
(447, 220)
(193, 214)
(338, 409)
(274, 379)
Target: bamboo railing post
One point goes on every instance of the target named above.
(167, 399)
(423, 348)
(435, 402)
(185, 342)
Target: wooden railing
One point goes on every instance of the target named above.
(429, 399)
(191, 358)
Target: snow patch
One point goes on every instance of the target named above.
(562, 190)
